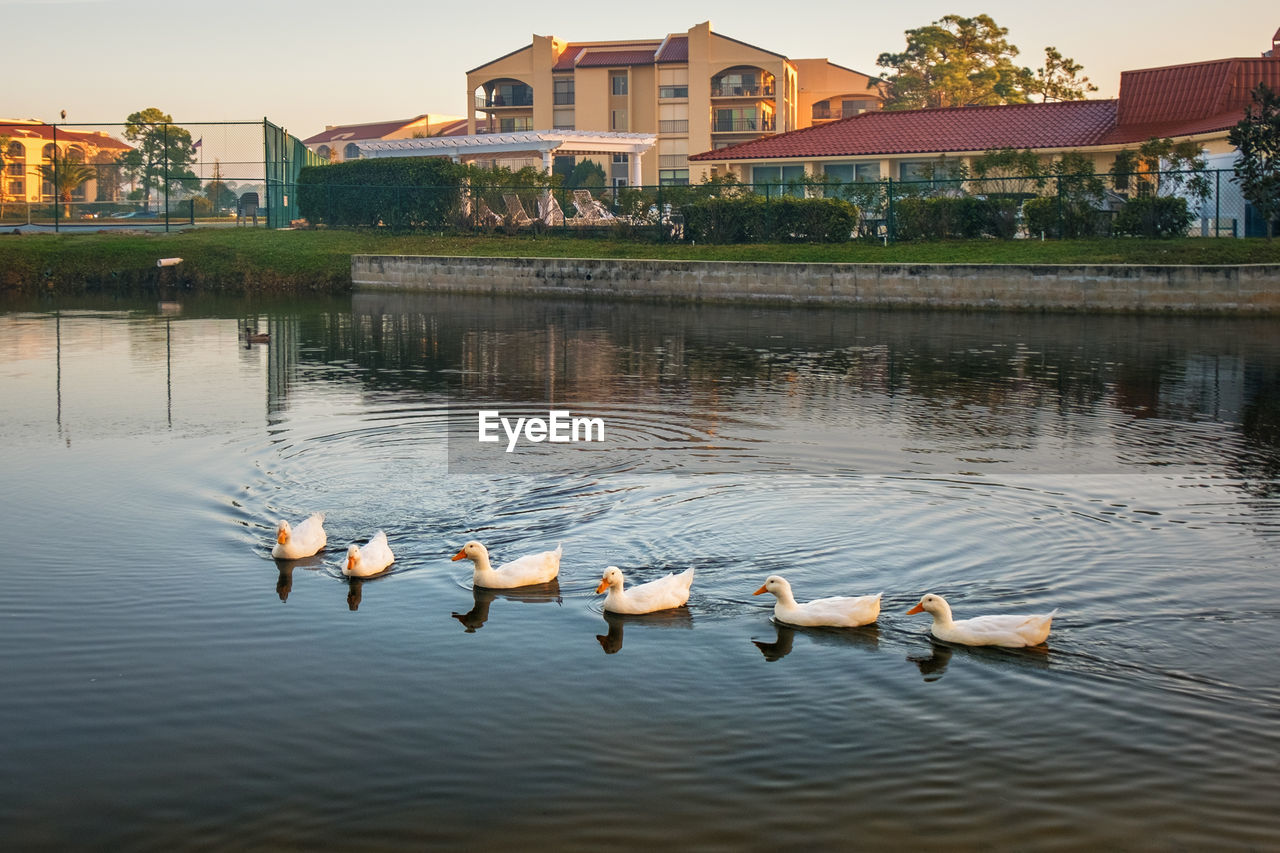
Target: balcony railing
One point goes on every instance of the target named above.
(500, 101)
(741, 125)
(673, 126)
(673, 161)
(741, 91)
(668, 92)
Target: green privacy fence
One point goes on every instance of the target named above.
(1170, 203)
(158, 176)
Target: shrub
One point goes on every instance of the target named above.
(753, 219)
(1078, 218)
(954, 217)
(1154, 216)
(396, 192)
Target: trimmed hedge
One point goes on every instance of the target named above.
(396, 192)
(1154, 216)
(754, 219)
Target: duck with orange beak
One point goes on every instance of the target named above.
(1010, 631)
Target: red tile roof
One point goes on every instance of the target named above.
(1059, 125)
(675, 50)
(348, 132)
(100, 141)
(597, 55)
(1178, 100)
(602, 58)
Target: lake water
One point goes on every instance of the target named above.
(167, 685)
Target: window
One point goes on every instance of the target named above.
(916, 170)
(562, 119)
(673, 91)
(673, 118)
(618, 120)
(16, 188)
(673, 177)
(512, 124)
(563, 91)
(618, 82)
(766, 178)
(351, 152)
(323, 152)
(852, 172)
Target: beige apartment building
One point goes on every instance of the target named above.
(696, 91)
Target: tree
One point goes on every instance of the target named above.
(587, 174)
(1163, 167)
(1058, 79)
(5, 142)
(67, 174)
(955, 62)
(1257, 139)
(163, 152)
(220, 195)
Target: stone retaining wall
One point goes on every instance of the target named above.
(1246, 289)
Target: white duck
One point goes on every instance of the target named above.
(294, 543)
(371, 559)
(1007, 630)
(837, 612)
(523, 571)
(662, 594)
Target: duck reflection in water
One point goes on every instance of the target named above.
(475, 618)
(934, 664)
(867, 636)
(284, 583)
(355, 591)
(678, 617)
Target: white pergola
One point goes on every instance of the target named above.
(547, 143)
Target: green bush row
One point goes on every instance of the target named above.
(396, 192)
(753, 219)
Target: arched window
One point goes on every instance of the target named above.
(323, 152)
(351, 152)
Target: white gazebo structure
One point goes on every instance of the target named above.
(547, 143)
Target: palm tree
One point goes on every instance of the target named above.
(67, 176)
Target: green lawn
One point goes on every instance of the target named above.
(244, 260)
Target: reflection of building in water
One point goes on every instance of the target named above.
(282, 359)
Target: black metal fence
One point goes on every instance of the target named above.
(154, 175)
(1201, 203)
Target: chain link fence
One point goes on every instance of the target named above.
(156, 175)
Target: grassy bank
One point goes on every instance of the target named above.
(260, 261)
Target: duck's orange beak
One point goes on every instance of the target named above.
(760, 590)
(282, 537)
(351, 562)
(919, 608)
(458, 556)
(604, 584)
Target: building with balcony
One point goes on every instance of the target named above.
(695, 91)
(30, 145)
(338, 142)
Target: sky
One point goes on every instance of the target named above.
(305, 65)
